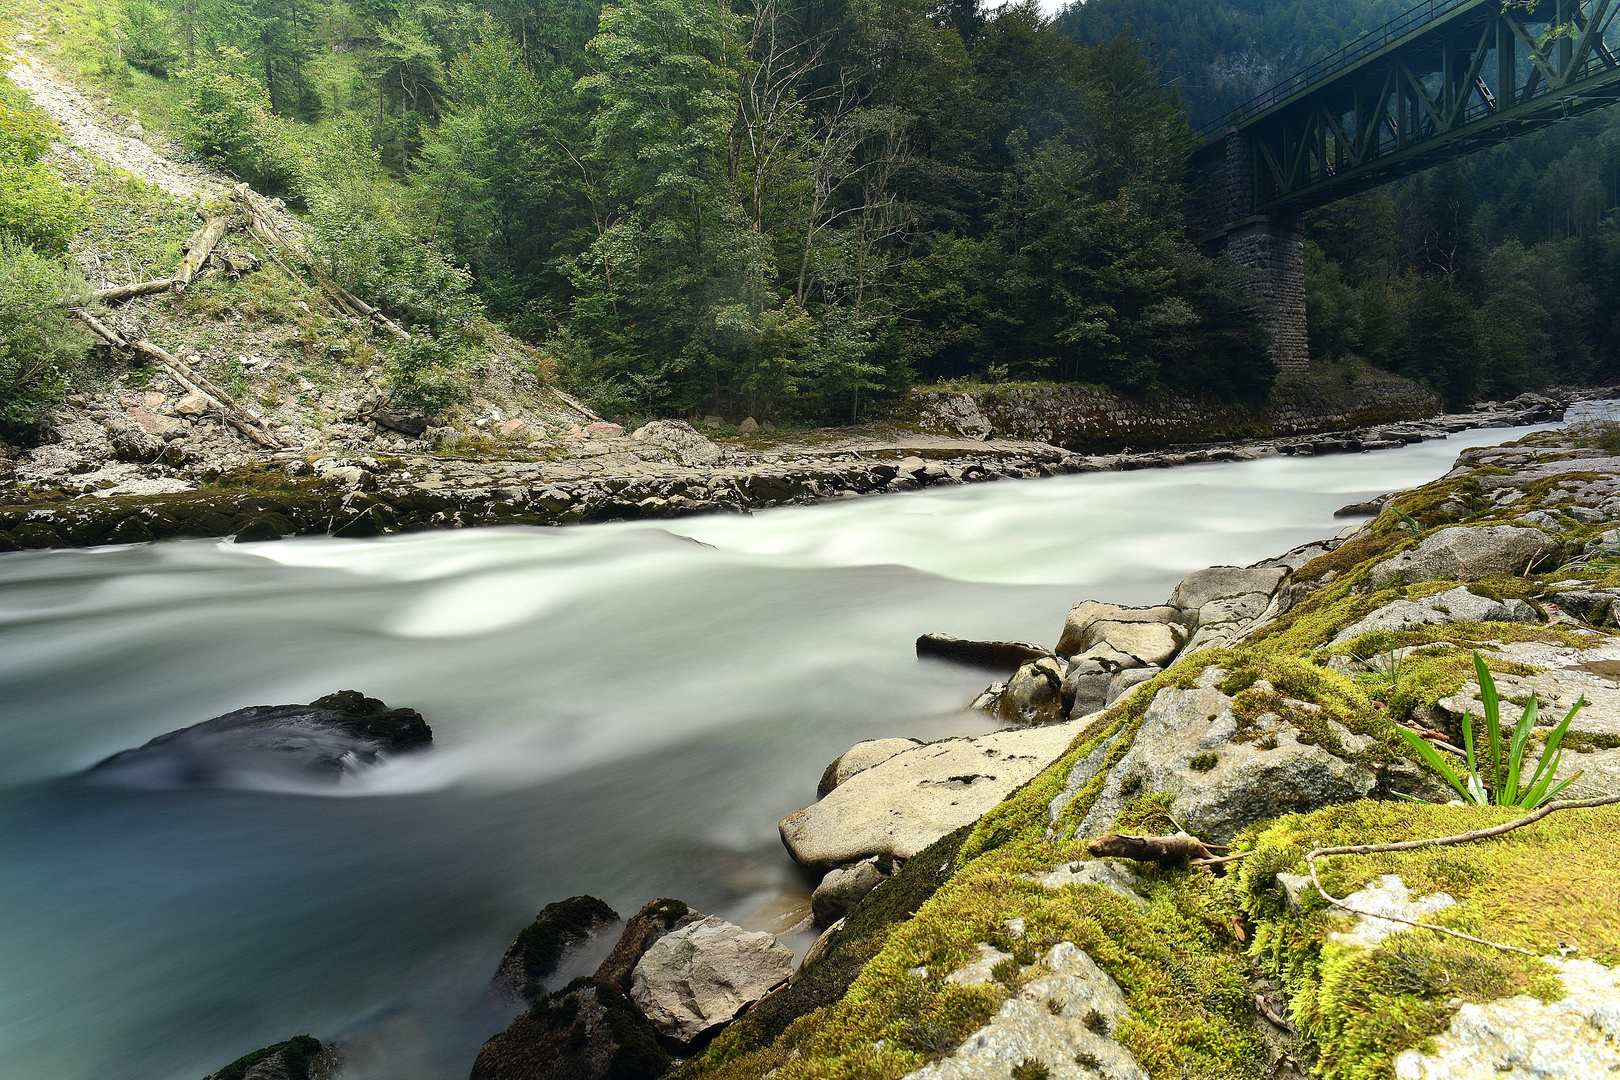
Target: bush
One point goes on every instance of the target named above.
(43, 352)
(225, 116)
(36, 208)
(143, 35)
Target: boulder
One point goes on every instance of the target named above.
(845, 887)
(1218, 582)
(401, 420)
(1467, 553)
(695, 979)
(681, 439)
(1085, 687)
(324, 741)
(587, 1031)
(1005, 656)
(1151, 643)
(1034, 695)
(192, 404)
(1453, 605)
(533, 957)
(1188, 744)
(601, 429)
(906, 803)
(1077, 635)
(652, 922)
(1062, 1018)
(859, 758)
(749, 426)
(1127, 680)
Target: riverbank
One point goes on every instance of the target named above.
(107, 479)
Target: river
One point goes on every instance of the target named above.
(624, 710)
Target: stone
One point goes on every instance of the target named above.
(818, 948)
(859, 758)
(601, 429)
(681, 439)
(1077, 635)
(259, 530)
(322, 742)
(534, 955)
(1245, 607)
(1521, 1038)
(156, 423)
(981, 971)
(1245, 783)
(1034, 695)
(1387, 896)
(192, 404)
(1005, 656)
(1060, 1020)
(653, 921)
(698, 978)
(1556, 692)
(403, 421)
(914, 467)
(590, 1031)
(907, 802)
(1128, 679)
(1453, 605)
(1110, 875)
(1152, 644)
(1467, 554)
(1218, 582)
(1085, 687)
(845, 887)
(749, 426)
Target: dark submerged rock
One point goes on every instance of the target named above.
(533, 957)
(1007, 656)
(339, 734)
(589, 1030)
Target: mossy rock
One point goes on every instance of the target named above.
(299, 1058)
(533, 956)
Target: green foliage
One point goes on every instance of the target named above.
(1505, 788)
(225, 116)
(43, 351)
(143, 35)
(36, 208)
(300, 1054)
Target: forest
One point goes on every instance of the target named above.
(795, 209)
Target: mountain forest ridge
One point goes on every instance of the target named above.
(793, 212)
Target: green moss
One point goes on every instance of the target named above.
(540, 945)
(1538, 888)
(1148, 814)
(299, 1054)
(1204, 762)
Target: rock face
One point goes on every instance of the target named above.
(679, 437)
(907, 802)
(1453, 605)
(1062, 1020)
(1577, 1038)
(845, 887)
(324, 741)
(1467, 554)
(992, 655)
(699, 977)
(533, 957)
(588, 1031)
(1188, 744)
(859, 758)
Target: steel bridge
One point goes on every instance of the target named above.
(1446, 78)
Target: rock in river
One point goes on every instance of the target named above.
(699, 977)
(562, 927)
(331, 737)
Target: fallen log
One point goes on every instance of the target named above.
(197, 248)
(254, 428)
(100, 329)
(129, 292)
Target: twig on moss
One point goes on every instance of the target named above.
(1443, 841)
(1172, 850)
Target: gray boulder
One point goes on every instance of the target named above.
(1218, 582)
(1127, 680)
(1077, 633)
(859, 758)
(701, 976)
(845, 887)
(321, 742)
(1453, 605)
(1467, 554)
(1153, 644)
(681, 439)
(1085, 687)
(1034, 695)
(1188, 744)
(907, 802)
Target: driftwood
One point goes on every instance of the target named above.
(254, 428)
(197, 248)
(1172, 850)
(1443, 841)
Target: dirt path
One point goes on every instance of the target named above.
(82, 126)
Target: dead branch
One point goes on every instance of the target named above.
(197, 248)
(129, 292)
(1172, 850)
(1444, 841)
(100, 329)
(254, 428)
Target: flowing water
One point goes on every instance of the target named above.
(625, 710)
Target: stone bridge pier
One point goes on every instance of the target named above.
(1270, 247)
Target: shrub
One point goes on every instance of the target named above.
(143, 35)
(225, 117)
(43, 351)
(36, 208)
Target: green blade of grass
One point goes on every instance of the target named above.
(1551, 755)
(1432, 756)
(1493, 721)
(1510, 793)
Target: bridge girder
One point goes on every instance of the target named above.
(1448, 78)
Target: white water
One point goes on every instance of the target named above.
(617, 710)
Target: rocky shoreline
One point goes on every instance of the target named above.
(107, 479)
(1044, 901)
